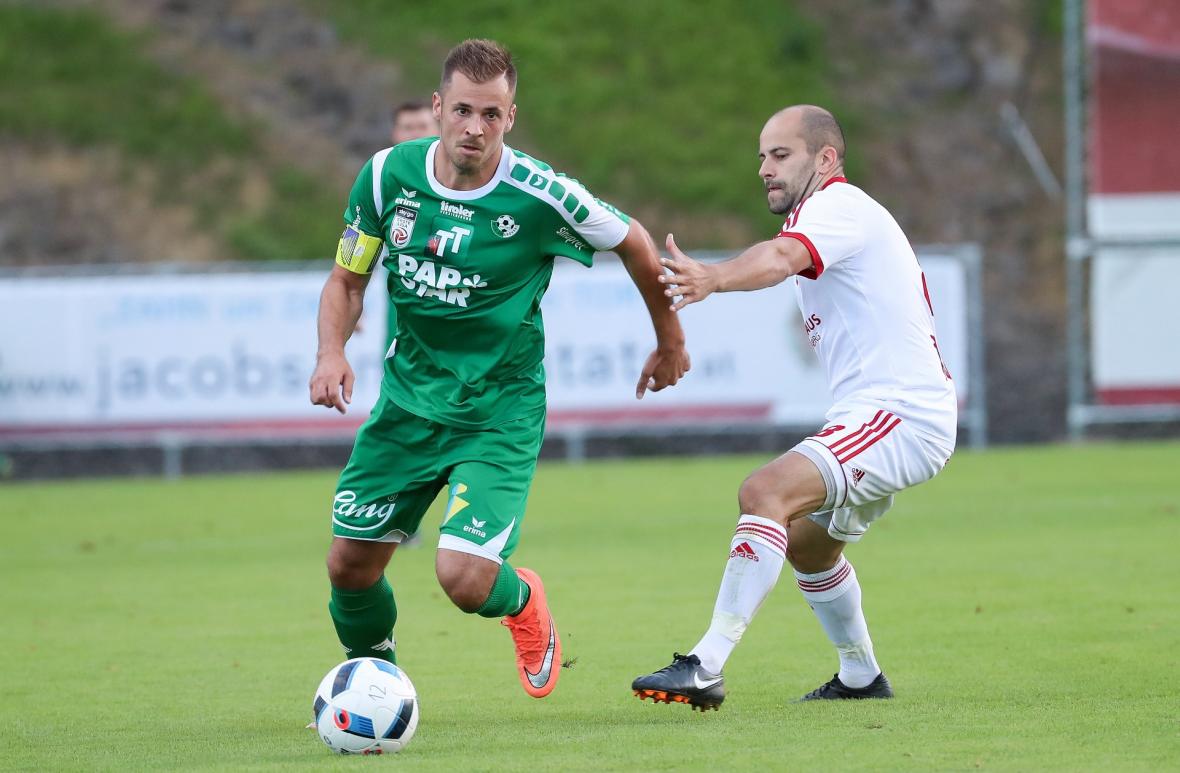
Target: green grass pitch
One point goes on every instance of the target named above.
(1024, 604)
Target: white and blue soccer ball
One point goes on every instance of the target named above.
(366, 706)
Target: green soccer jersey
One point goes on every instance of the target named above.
(467, 270)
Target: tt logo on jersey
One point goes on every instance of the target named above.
(429, 280)
(444, 237)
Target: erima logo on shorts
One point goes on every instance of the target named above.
(476, 528)
(371, 515)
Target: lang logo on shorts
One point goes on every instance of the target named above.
(359, 517)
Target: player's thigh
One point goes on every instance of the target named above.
(784, 488)
(395, 471)
(866, 455)
(489, 486)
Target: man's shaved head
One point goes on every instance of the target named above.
(800, 148)
(817, 126)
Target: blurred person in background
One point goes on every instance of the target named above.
(472, 229)
(412, 120)
(869, 318)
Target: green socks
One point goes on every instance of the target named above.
(509, 594)
(364, 620)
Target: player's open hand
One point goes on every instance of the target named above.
(331, 382)
(684, 278)
(664, 367)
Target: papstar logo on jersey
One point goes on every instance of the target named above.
(431, 280)
(457, 211)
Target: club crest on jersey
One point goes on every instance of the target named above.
(402, 227)
(505, 226)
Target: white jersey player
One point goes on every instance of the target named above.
(869, 317)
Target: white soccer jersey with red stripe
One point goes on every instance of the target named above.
(866, 309)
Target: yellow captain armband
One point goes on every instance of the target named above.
(358, 251)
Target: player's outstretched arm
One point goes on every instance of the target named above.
(763, 265)
(669, 362)
(340, 307)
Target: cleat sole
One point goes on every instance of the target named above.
(660, 696)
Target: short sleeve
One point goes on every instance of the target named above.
(828, 226)
(582, 223)
(593, 225)
(361, 211)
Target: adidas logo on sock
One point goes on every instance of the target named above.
(743, 550)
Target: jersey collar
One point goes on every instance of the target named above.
(837, 179)
(444, 192)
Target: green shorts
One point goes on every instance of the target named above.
(400, 461)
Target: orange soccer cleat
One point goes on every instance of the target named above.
(538, 647)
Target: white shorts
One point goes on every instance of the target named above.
(866, 455)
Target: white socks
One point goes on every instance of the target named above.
(756, 557)
(834, 596)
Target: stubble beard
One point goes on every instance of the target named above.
(793, 195)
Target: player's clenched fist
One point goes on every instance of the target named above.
(331, 382)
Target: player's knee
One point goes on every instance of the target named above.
(349, 573)
(463, 587)
(760, 495)
(464, 594)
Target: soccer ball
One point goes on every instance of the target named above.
(366, 706)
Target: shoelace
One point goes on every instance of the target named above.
(533, 646)
(677, 660)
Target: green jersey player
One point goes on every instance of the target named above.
(469, 230)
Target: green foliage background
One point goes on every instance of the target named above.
(643, 101)
(655, 105)
(69, 76)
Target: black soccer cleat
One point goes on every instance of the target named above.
(684, 681)
(836, 690)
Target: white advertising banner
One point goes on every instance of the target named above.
(1135, 354)
(233, 352)
(218, 351)
(750, 355)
